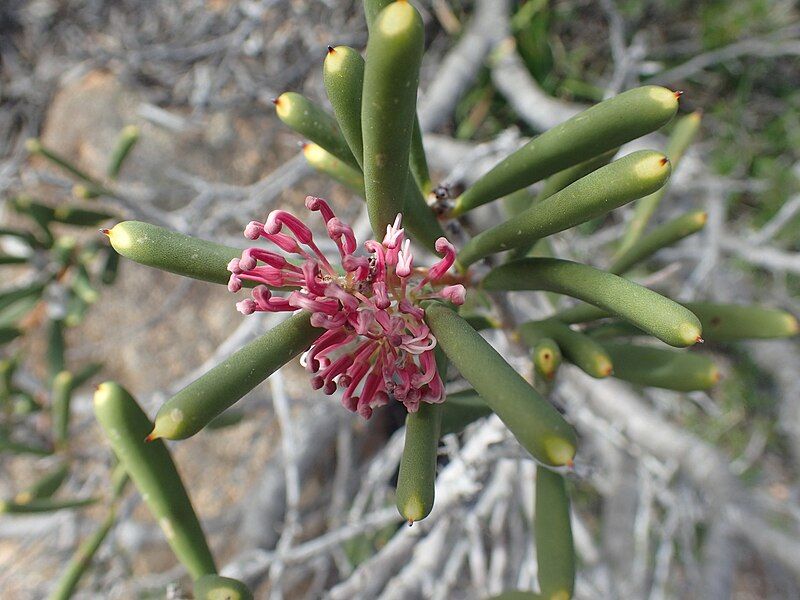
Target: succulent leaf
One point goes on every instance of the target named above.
(536, 424)
(596, 130)
(656, 314)
(731, 322)
(216, 587)
(661, 237)
(127, 139)
(80, 562)
(45, 486)
(43, 505)
(391, 78)
(578, 348)
(595, 194)
(720, 322)
(200, 402)
(662, 368)
(546, 358)
(150, 467)
(61, 398)
(555, 551)
(682, 136)
(171, 251)
(343, 74)
(325, 162)
(313, 122)
(415, 482)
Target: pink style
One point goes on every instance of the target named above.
(376, 344)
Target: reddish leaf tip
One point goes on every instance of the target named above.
(105, 231)
(678, 93)
(331, 50)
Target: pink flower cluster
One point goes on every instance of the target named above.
(376, 344)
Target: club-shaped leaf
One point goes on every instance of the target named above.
(578, 348)
(596, 130)
(731, 322)
(81, 560)
(15, 447)
(558, 182)
(599, 192)
(555, 551)
(171, 251)
(372, 9)
(312, 121)
(44, 505)
(415, 482)
(657, 315)
(662, 368)
(35, 147)
(517, 202)
(661, 237)
(196, 405)
(110, 267)
(546, 357)
(60, 409)
(685, 130)
(325, 162)
(391, 78)
(45, 486)
(55, 348)
(343, 74)
(581, 313)
(418, 160)
(79, 563)
(216, 587)
(73, 215)
(150, 467)
(18, 301)
(419, 163)
(536, 424)
(720, 322)
(122, 148)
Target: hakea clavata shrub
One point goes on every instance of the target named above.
(374, 327)
(376, 338)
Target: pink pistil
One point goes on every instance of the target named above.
(376, 345)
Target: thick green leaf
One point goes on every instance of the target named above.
(648, 310)
(150, 466)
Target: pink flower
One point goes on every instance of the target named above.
(376, 345)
